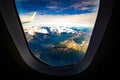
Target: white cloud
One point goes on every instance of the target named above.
(85, 20)
(32, 30)
(52, 7)
(85, 4)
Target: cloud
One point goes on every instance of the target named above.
(76, 5)
(86, 20)
(84, 5)
(80, 5)
(52, 7)
(84, 8)
(53, 2)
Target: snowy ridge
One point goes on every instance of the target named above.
(46, 30)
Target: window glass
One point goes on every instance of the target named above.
(58, 32)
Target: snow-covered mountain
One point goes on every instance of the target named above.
(51, 29)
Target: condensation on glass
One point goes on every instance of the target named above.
(58, 32)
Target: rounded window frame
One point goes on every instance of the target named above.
(11, 18)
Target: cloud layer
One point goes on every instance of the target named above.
(83, 20)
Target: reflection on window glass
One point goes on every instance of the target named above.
(58, 31)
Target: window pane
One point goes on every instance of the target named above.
(58, 32)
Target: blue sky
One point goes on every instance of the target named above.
(54, 7)
(59, 12)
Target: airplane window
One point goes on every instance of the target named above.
(58, 32)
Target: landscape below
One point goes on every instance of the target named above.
(58, 46)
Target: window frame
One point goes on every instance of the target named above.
(11, 18)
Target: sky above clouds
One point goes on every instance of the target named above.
(60, 12)
(57, 6)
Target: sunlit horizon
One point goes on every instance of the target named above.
(78, 20)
